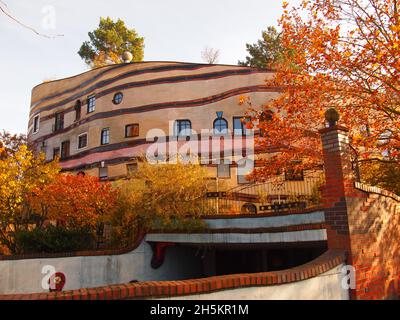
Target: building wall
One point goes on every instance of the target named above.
(374, 225)
(25, 276)
(155, 94)
(327, 286)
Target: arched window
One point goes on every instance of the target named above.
(220, 126)
(182, 128)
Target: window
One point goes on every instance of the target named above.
(65, 149)
(242, 179)
(118, 98)
(91, 104)
(82, 141)
(131, 167)
(36, 123)
(131, 130)
(294, 175)
(78, 108)
(182, 128)
(103, 173)
(220, 126)
(239, 125)
(56, 153)
(244, 168)
(223, 170)
(265, 116)
(105, 136)
(59, 121)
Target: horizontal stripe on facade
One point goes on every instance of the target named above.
(139, 142)
(144, 83)
(116, 78)
(97, 155)
(160, 106)
(122, 160)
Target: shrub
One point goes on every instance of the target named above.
(54, 239)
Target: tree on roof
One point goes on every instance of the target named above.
(266, 52)
(108, 43)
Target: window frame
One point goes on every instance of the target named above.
(227, 126)
(114, 98)
(68, 150)
(245, 181)
(243, 129)
(103, 177)
(87, 140)
(101, 136)
(90, 105)
(78, 110)
(218, 170)
(126, 130)
(265, 116)
(177, 125)
(58, 121)
(57, 151)
(36, 118)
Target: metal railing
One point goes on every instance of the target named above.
(274, 195)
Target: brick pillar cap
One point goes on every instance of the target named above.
(334, 128)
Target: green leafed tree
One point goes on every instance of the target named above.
(109, 41)
(266, 52)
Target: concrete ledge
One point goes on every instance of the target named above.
(237, 237)
(160, 289)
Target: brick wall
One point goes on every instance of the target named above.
(362, 220)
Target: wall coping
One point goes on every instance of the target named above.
(263, 215)
(333, 128)
(160, 289)
(376, 190)
(291, 228)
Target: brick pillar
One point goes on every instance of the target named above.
(339, 185)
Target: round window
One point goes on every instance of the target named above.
(118, 98)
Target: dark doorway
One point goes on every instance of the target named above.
(252, 260)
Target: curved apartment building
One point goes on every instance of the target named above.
(97, 121)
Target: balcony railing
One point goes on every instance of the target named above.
(275, 195)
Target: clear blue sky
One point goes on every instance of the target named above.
(175, 30)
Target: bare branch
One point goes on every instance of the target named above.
(210, 55)
(5, 10)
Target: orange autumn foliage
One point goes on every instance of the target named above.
(75, 201)
(343, 54)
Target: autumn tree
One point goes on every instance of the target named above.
(21, 174)
(109, 41)
(158, 194)
(382, 174)
(10, 143)
(266, 52)
(74, 201)
(347, 57)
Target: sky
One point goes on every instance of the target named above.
(174, 30)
